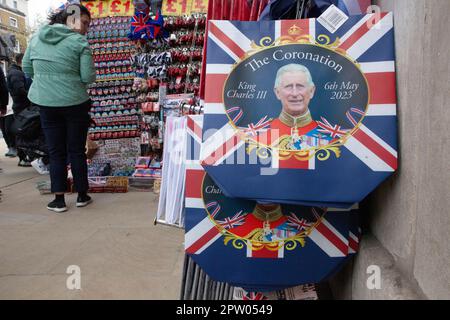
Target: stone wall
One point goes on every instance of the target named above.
(408, 217)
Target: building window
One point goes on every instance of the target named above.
(17, 47)
(15, 4)
(13, 22)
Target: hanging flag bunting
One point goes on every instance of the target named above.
(260, 247)
(297, 114)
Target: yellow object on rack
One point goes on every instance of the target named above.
(109, 8)
(183, 7)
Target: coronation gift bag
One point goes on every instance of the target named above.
(260, 247)
(301, 111)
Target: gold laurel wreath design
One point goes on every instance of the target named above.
(254, 240)
(322, 153)
(289, 244)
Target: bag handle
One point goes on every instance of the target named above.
(300, 8)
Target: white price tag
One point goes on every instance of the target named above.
(332, 19)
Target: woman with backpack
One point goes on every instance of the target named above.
(18, 89)
(6, 115)
(60, 62)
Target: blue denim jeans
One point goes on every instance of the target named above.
(65, 130)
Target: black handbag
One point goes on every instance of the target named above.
(27, 123)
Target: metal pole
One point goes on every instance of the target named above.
(201, 285)
(195, 282)
(222, 292)
(189, 274)
(216, 291)
(183, 281)
(163, 222)
(205, 288)
(197, 285)
(219, 290)
(213, 290)
(230, 292)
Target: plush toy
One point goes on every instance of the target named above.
(156, 26)
(139, 24)
(141, 5)
(143, 27)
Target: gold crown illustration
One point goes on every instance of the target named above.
(294, 30)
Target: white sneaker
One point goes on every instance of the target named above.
(39, 166)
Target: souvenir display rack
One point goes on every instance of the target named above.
(115, 113)
(166, 66)
(133, 79)
(114, 108)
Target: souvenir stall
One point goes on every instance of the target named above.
(148, 57)
(185, 100)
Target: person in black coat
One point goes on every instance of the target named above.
(4, 100)
(17, 85)
(18, 89)
(4, 97)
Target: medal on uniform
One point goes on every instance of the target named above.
(294, 135)
(295, 138)
(267, 231)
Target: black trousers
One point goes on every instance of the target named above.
(65, 130)
(5, 125)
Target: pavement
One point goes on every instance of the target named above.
(112, 245)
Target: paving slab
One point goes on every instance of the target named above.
(120, 252)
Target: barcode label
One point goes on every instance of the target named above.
(333, 18)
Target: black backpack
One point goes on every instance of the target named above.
(27, 123)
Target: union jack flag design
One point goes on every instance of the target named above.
(334, 131)
(368, 152)
(326, 247)
(213, 207)
(143, 27)
(235, 221)
(299, 224)
(138, 25)
(254, 296)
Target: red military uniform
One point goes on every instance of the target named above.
(289, 134)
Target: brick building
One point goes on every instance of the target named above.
(13, 28)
